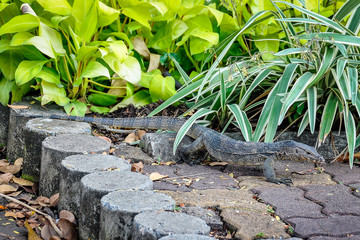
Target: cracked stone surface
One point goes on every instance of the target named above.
(356, 189)
(134, 154)
(343, 174)
(294, 206)
(336, 199)
(250, 224)
(336, 226)
(353, 237)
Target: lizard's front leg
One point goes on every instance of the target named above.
(193, 153)
(270, 173)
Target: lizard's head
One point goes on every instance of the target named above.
(304, 152)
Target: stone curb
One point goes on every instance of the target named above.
(36, 130)
(17, 122)
(74, 167)
(156, 224)
(57, 148)
(4, 124)
(118, 210)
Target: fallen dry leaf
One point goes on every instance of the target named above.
(137, 167)
(4, 188)
(48, 231)
(112, 150)
(67, 215)
(140, 46)
(54, 238)
(20, 215)
(67, 229)
(18, 106)
(6, 177)
(54, 200)
(43, 201)
(10, 214)
(4, 162)
(31, 235)
(154, 62)
(15, 194)
(155, 176)
(130, 138)
(140, 134)
(22, 182)
(218, 164)
(19, 162)
(11, 169)
(105, 138)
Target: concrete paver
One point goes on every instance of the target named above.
(335, 226)
(343, 174)
(294, 206)
(336, 199)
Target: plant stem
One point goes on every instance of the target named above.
(190, 58)
(104, 86)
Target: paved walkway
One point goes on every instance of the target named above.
(319, 206)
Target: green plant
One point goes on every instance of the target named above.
(316, 74)
(56, 48)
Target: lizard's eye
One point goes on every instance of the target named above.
(296, 150)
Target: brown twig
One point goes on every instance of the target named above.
(52, 223)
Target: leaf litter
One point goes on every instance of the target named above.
(37, 214)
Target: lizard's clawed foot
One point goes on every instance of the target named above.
(286, 181)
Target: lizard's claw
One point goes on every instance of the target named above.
(286, 181)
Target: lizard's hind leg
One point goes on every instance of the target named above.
(270, 173)
(194, 153)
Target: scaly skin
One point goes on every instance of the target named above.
(219, 146)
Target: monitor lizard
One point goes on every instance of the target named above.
(219, 146)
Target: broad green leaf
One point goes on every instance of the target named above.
(53, 37)
(100, 110)
(119, 49)
(274, 102)
(19, 38)
(299, 87)
(202, 40)
(311, 95)
(49, 75)
(58, 7)
(75, 108)
(27, 70)
(5, 89)
(51, 92)
(187, 125)
(95, 69)
(266, 46)
(9, 61)
(328, 116)
(86, 52)
(4, 45)
(140, 98)
(129, 70)
(161, 88)
(85, 14)
(107, 15)
(167, 33)
(21, 23)
(42, 45)
(102, 99)
(242, 121)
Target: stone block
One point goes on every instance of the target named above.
(209, 216)
(160, 146)
(133, 154)
(36, 130)
(96, 185)
(186, 237)
(74, 167)
(335, 199)
(57, 148)
(17, 122)
(154, 225)
(4, 124)
(296, 205)
(119, 208)
(334, 226)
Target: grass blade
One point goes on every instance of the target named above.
(242, 121)
(328, 116)
(311, 95)
(187, 125)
